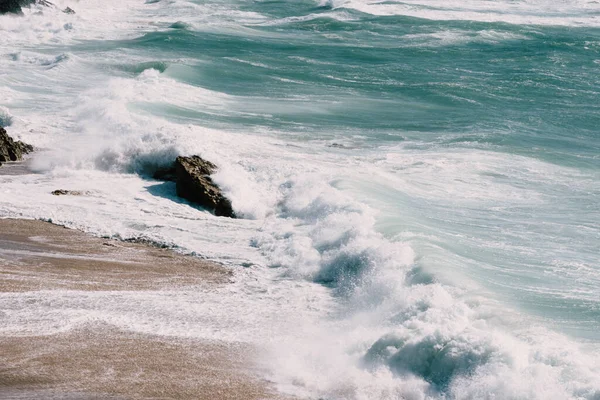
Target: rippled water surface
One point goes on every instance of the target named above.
(419, 181)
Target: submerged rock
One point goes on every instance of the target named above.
(195, 184)
(11, 150)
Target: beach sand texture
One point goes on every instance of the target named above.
(99, 361)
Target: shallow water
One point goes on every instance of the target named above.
(419, 180)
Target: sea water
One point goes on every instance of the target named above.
(418, 182)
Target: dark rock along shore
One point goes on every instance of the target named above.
(14, 6)
(194, 183)
(192, 175)
(11, 150)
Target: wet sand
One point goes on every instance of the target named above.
(16, 168)
(36, 255)
(101, 362)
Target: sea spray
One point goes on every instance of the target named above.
(417, 182)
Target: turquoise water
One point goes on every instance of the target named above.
(524, 95)
(419, 181)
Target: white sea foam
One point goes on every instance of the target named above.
(344, 303)
(456, 37)
(340, 310)
(531, 12)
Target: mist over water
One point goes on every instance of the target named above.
(419, 182)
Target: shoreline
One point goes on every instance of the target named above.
(99, 360)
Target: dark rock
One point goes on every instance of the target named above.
(148, 242)
(14, 6)
(165, 174)
(194, 184)
(63, 192)
(11, 150)
(69, 10)
(24, 147)
(192, 175)
(10, 6)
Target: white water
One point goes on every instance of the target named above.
(342, 302)
(535, 12)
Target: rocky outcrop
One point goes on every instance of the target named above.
(192, 175)
(10, 6)
(14, 6)
(195, 184)
(11, 150)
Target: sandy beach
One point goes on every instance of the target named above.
(99, 361)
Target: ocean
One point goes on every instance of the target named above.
(418, 182)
